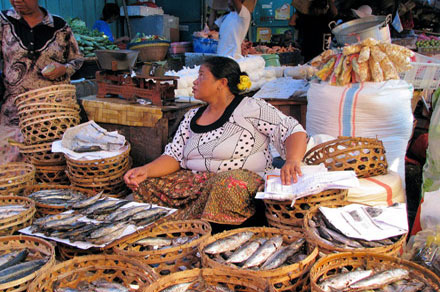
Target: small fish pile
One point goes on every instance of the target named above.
(7, 211)
(196, 286)
(95, 286)
(160, 243)
(57, 197)
(13, 266)
(107, 220)
(247, 251)
(397, 280)
(330, 235)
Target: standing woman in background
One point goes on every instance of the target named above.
(30, 39)
(110, 13)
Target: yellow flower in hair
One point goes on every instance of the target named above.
(245, 83)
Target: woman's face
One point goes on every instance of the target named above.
(25, 7)
(205, 86)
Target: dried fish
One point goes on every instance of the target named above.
(13, 258)
(228, 243)
(244, 252)
(20, 270)
(264, 252)
(342, 281)
(381, 279)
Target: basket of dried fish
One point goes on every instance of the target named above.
(329, 240)
(47, 127)
(39, 154)
(60, 94)
(15, 176)
(281, 256)
(15, 214)
(95, 273)
(169, 247)
(22, 258)
(53, 199)
(362, 271)
(210, 280)
(282, 215)
(51, 174)
(365, 156)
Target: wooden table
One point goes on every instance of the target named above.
(148, 128)
(296, 108)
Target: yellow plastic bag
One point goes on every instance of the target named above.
(376, 70)
(345, 76)
(364, 55)
(326, 70)
(389, 70)
(377, 54)
(351, 49)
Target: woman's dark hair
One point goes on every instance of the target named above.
(318, 7)
(223, 67)
(110, 10)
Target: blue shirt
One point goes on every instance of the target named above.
(103, 26)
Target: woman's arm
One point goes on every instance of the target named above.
(237, 5)
(295, 146)
(163, 165)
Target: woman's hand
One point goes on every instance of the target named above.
(290, 171)
(135, 176)
(57, 70)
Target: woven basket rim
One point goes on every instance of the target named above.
(22, 216)
(45, 118)
(17, 166)
(52, 88)
(274, 273)
(82, 163)
(314, 276)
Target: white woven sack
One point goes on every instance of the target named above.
(370, 109)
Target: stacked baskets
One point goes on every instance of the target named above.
(105, 174)
(45, 114)
(15, 176)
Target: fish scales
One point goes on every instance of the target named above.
(264, 252)
(228, 243)
(244, 252)
(381, 279)
(342, 281)
(279, 257)
(20, 270)
(87, 202)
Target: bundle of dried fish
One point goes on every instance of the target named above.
(331, 236)
(13, 266)
(396, 279)
(96, 286)
(196, 286)
(7, 211)
(159, 243)
(248, 251)
(57, 197)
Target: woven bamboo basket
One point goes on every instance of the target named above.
(38, 249)
(67, 252)
(286, 278)
(236, 281)
(56, 110)
(332, 264)
(46, 94)
(169, 260)
(15, 176)
(324, 248)
(44, 209)
(39, 154)
(46, 128)
(280, 214)
(52, 174)
(118, 190)
(365, 156)
(14, 223)
(113, 268)
(39, 105)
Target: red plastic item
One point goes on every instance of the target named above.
(148, 3)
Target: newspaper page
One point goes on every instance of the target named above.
(367, 222)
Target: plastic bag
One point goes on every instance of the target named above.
(351, 49)
(376, 70)
(389, 71)
(364, 55)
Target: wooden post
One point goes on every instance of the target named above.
(127, 19)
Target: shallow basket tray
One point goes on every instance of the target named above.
(280, 213)
(38, 249)
(169, 260)
(40, 154)
(333, 263)
(47, 128)
(29, 96)
(99, 168)
(44, 209)
(324, 248)
(236, 281)
(15, 176)
(53, 174)
(128, 271)
(285, 278)
(12, 224)
(365, 156)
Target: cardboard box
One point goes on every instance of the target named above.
(141, 10)
(164, 25)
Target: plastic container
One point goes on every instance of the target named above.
(272, 60)
(205, 45)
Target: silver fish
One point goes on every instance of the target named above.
(155, 242)
(178, 288)
(149, 219)
(264, 252)
(67, 290)
(147, 213)
(13, 258)
(108, 229)
(343, 239)
(380, 279)
(43, 220)
(412, 286)
(280, 256)
(342, 281)
(105, 286)
(19, 271)
(100, 204)
(11, 213)
(87, 202)
(228, 243)
(244, 252)
(66, 221)
(127, 212)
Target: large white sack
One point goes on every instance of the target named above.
(370, 109)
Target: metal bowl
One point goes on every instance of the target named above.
(116, 60)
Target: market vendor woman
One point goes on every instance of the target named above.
(214, 165)
(32, 39)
